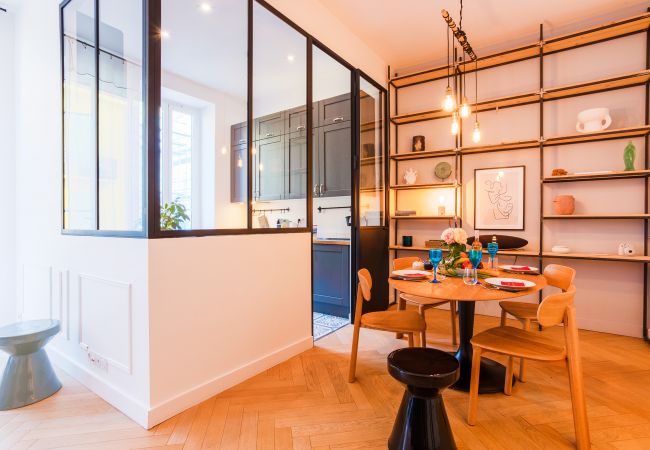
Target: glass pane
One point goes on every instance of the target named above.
(79, 172)
(120, 115)
(332, 168)
(203, 179)
(280, 120)
(371, 177)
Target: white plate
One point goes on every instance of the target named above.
(410, 274)
(497, 282)
(517, 269)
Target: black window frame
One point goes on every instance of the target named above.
(151, 98)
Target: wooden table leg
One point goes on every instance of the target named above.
(493, 374)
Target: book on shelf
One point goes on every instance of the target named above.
(405, 213)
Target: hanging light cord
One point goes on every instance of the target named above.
(476, 90)
(448, 57)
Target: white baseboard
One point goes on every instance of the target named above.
(131, 407)
(169, 408)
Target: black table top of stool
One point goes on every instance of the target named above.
(424, 367)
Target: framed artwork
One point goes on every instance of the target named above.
(499, 198)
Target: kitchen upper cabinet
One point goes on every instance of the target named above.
(331, 266)
(238, 168)
(269, 168)
(296, 158)
(334, 160)
(295, 119)
(334, 110)
(239, 134)
(269, 126)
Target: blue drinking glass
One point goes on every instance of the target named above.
(475, 257)
(435, 256)
(493, 248)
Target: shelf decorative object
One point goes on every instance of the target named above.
(559, 172)
(564, 205)
(442, 170)
(499, 198)
(629, 154)
(626, 249)
(410, 176)
(593, 120)
(418, 144)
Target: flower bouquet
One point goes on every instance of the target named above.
(457, 259)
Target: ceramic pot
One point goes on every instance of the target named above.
(564, 205)
(595, 119)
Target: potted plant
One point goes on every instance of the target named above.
(172, 215)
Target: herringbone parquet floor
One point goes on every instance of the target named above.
(306, 403)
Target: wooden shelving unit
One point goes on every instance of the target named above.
(597, 176)
(539, 50)
(410, 187)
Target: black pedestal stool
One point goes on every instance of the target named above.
(421, 422)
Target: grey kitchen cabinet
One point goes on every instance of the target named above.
(335, 160)
(331, 272)
(296, 160)
(238, 175)
(269, 169)
(239, 134)
(269, 126)
(295, 119)
(334, 110)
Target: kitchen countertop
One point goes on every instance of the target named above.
(331, 242)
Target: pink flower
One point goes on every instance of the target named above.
(448, 236)
(460, 236)
(454, 236)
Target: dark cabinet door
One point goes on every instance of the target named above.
(331, 289)
(296, 159)
(269, 126)
(269, 167)
(238, 134)
(295, 119)
(335, 151)
(238, 168)
(334, 110)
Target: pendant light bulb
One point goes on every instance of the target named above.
(476, 134)
(464, 108)
(449, 103)
(454, 124)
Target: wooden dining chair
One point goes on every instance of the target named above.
(557, 276)
(423, 303)
(517, 343)
(407, 322)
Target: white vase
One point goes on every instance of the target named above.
(592, 120)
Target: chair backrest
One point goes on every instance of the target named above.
(363, 292)
(553, 309)
(559, 276)
(404, 263)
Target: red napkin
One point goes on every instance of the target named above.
(520, 268)
(513, 283)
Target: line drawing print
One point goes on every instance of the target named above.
(500, 199)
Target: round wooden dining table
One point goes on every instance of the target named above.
(452, 288)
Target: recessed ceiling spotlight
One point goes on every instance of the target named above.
(205, 7)
(291, 58)
(165, 34)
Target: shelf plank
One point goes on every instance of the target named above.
(407, 187)
(520, 145)
(423, 217)
(422, 155)
(619, 133)
(597, 216)
(597, 176)
(597, 257)
(593, 35)
(589, 87)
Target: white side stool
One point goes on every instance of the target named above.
(28, 377)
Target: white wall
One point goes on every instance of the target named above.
(96, 286)
(7, 171)
(610, 295)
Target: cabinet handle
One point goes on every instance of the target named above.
(337, 119)
(316, 190)
(269, 134)
(242, 141)
(321, 190)
(300, 128)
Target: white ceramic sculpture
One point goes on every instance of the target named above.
(594, 119)
(625, 249)
(410, 176)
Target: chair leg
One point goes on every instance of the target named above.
(526, 325)
(503, 317)
(353, 354)
(410, 337)
(423, 334)
(578, 402)
(401, 305)
(507, 386)
(454, 322)
(473, 386)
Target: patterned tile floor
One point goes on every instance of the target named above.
(325, 324)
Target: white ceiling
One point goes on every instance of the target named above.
(412, 32)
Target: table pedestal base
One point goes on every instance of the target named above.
(493, 374)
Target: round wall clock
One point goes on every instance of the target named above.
(442, 170)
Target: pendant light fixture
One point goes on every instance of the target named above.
(449, 102)
(455, 125)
